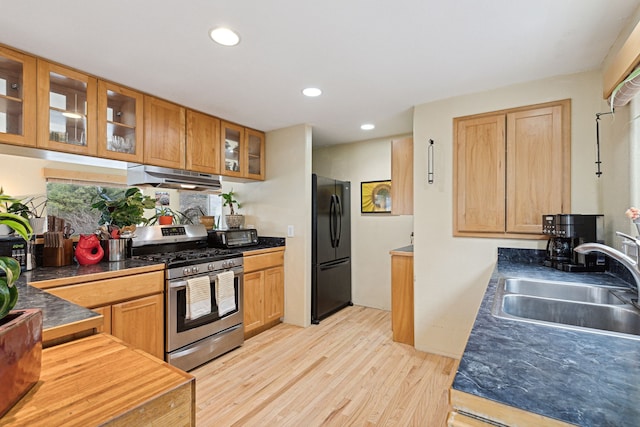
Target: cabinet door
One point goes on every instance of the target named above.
(479, 174)
(120, 130)
(273, 294)
(164, 133)
(402, 176)
(17, 98)
(253, 300)
(203, 142)
(232, 142)
(140, 322)
(105, 310)
(254, 157)
(536, 167)
(67, 107)
(402, 298)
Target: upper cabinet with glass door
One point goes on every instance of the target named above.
(233, 143)
(17, 98)
(254, 154)
(66, 109)
(120, 130)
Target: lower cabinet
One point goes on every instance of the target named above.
(402, 296)
(132, 307)
(263, 291)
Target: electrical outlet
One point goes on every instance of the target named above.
(290, 231)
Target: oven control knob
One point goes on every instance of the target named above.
(210, 267)
(224, 264)
(231, 263)
(195, 270)
(186, 271)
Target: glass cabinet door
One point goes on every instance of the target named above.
(232, 146)
(66, 109)
(17, 98)
(119, 122)
(255, 154)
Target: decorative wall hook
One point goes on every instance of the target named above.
(430, 154)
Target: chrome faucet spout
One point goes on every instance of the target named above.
(622, 258)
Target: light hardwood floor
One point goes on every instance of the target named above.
(345, 371)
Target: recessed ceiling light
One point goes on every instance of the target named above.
(367, 126)
(224, 36)
(311, 92)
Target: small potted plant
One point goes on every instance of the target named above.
(233, 220)
(31, 208)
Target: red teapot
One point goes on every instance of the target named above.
(88, 250)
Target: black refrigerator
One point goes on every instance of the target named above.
(331, 251)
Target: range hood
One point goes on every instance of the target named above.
(178, 179)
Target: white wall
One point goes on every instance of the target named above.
(451, 274)
(372, 235)
(283, 199)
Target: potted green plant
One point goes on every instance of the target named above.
(10, 266)
(119, 217)
(20, 330)
(233, 220)
(125, 211)
(166, 216)
(32, 208)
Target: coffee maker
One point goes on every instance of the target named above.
(568, 231)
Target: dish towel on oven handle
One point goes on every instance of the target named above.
(198, 297)
(225, 293)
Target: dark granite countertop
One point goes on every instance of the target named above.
(58, 312)
(582, 378)
(408, 249)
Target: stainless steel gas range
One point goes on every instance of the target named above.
(183, 249)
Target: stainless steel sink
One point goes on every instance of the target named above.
(593, 308)
(563, 290)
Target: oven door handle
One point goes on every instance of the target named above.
(181, 284)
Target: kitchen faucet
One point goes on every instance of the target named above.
(624, 259)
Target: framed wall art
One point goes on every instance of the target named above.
(375, 197)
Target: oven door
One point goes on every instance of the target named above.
(182, 332)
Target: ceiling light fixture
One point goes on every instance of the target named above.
(224, 36)
(311, 92)
(368, 126)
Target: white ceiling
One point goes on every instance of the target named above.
(373, 59)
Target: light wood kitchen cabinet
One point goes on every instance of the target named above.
(120, 129)
(402, 295)
(164, 133)
(132, 306)
(66, 109)
(203, 142)
(263, 301)
(510, 168)
(147, 314)
(255, 156)
(402, 176)
(17, 98)
(242, 152)
(233, 143)
(105, 311)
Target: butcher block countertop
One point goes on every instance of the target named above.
(99, 380)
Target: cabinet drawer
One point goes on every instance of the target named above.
(109, 291)
(262, 261)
